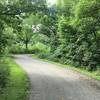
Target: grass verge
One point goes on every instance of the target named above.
(94, 75)
(17, 85)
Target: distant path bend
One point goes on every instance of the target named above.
(50, 82)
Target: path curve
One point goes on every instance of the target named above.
(50, 82)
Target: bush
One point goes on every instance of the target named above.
(17, 49)
(40, 48)
(4, 73)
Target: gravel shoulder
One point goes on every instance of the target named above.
(50, 82)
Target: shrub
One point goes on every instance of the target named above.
(16, 49)
(41, 48)
(4, 73)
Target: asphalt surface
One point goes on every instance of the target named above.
(50, 82)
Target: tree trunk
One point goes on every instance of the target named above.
(26, 45)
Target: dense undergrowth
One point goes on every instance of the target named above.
(4, 74)
(13, 81)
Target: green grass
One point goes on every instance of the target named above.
(17, 85)
(94, 75)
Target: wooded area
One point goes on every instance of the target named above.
(67, 32)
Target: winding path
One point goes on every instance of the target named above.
(50, 82)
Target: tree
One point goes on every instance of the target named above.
(12, 11)
(88, 25)
(26, 30)
(78, 31)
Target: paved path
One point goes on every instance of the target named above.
(50, 82)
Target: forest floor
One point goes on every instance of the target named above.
(50, 82)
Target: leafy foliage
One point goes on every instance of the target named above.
(78, 34)
(4, 74)
(69, 30)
